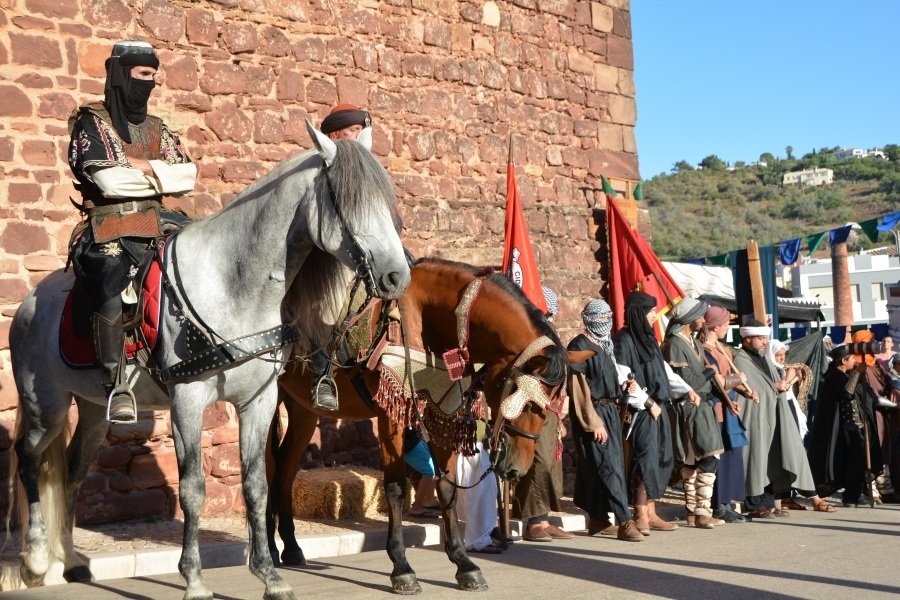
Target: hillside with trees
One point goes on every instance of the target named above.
(715, 208)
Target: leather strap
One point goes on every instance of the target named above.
(229, 352)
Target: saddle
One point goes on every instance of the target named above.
(76, 344)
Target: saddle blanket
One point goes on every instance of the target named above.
(77, 350)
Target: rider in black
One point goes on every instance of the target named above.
(125, 161)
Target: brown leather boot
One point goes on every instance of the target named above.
(656, 523)
(628, 532)
(596, 526)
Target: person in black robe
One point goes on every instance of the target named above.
(594, 391)
(842, 429)
(650, 434)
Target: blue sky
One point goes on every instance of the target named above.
(737, 79)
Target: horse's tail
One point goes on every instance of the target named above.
(53, 469)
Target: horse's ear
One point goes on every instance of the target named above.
(579, 356)
(365, 138)
(324, 144)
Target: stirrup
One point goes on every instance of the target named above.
(325, 380)
(116, 391)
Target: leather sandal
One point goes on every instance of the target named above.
(823, 506)
(792, 504)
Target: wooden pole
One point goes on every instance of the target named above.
(756, 283)
(504, 526)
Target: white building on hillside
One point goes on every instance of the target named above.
(818, 176)
(870, 276)
(858, 153)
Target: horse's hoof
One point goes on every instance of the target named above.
(293, 558)
(30, 578)
(472, 581)
(78, 574)
(406, 584)
(283, 592)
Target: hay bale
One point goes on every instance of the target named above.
(339, 493)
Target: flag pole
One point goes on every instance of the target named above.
(509, 157)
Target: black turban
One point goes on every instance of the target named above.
(343, 116)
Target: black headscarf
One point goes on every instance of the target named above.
(126, 98)
(637, 306)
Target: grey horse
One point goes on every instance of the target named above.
(283, 242)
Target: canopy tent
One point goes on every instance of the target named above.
(789, 309)
(716, 285)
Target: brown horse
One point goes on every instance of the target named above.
(502, 324)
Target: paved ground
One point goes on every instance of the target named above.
(850, 553)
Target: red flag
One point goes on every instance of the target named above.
(518, 258)
(634, 266)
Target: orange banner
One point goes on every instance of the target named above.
(519, 263)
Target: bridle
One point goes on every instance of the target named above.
(362, 266)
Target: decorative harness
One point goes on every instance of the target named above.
(528, 386)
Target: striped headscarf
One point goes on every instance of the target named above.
(551, 300)
(597, 317)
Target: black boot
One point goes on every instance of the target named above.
(109, 342)
(322, 389)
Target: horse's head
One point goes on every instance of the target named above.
(356, 218)
(520, 396)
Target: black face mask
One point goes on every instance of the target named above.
(136, 99)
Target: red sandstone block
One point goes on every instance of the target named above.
(273, 42)
(36, 152)
(34, 80)
(352, 90)
(418, 65)
(120, 482)
(267, 128)
(309, 49)
(259, 79)
(181, 74)
(319, 91)
(290, 86)
(228, 123)
(92, 57)
(201, 27)
(113, 457)
(16, 103)
(35, 50)
(390, 62)
(23, 238)
(165, 21)
(619, 52)
(12, 290)
(75, 29)
(9, 397)
(216, 415)
(219, 499)
(53, 8)
(225, 459)
(56, 106)
(7, 147)
(153, 470)
(24, 193)
(28, 22)
(222, 78)
(239, 37)
(42, 262)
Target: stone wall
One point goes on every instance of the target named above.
(449, 84)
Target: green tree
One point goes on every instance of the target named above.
(713, 163)
(767, 157)
(790, 152)
(681, 166)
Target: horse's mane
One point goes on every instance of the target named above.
(555, 373)
(319, 291)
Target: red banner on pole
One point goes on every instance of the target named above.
(519, 263)
(634, 266)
